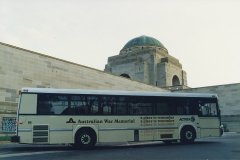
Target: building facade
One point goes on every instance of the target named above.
(146, 60)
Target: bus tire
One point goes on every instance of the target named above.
(85, 138)
(188, 135)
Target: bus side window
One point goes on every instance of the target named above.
(78, 105)
(180, 110)
(213, 107)
(121, 106)
(44, 109)
(188, 107)
(106, 104)
(162, 109)
(92, 104)
(140, 106)
(133, 109)
(59, 103)
(207, 108)
(44, 105)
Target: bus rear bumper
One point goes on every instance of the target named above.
(15, 139)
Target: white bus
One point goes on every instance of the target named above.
(84, 118)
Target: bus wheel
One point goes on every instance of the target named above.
(188, 135)
(85, 138)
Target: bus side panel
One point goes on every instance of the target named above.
(60, 136)
(36, 129)
(208, 129)
(27, 107)
(25, 129)
(116, 136)
(210, 132)
(59, 131)
(25, 137)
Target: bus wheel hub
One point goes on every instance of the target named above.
(85, 139)
(189, 135)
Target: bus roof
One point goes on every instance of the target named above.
(116, 92)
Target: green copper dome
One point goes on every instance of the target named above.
(143, 41)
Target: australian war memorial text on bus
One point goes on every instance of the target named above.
(86, 117)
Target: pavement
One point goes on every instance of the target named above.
(214, 148)
(9, 135)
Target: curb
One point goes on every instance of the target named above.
(4, 142)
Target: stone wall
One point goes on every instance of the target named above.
(23, 68)
(231, 123)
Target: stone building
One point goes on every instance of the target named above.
(146, 60)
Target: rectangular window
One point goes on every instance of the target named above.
(107, 104)
(175, 106)
(140, 105)
(185, 106)
(92, 103)
(8, 124)
(162, 108)
(113, 105)
(166, 106)
(52, 104)
(78, 105)
(28, 104)
(207, 107)
(121, 106)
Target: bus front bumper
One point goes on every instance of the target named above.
(15, 139)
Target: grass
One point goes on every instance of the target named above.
(4, 138)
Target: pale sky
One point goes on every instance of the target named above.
(203, 34)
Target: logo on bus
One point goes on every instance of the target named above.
(97, 121)
(192, 119)
(71, 121)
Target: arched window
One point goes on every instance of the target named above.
(125, 75)
(175, 81)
